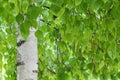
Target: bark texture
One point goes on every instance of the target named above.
(27, 57)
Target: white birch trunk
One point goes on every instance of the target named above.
(27, 58)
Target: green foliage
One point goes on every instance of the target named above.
(24, 29)
(19, 18)
(7, 53)
(33, 12)
(77, 39)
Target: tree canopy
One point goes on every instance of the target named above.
(77, 39)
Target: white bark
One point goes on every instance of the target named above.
(27, 59)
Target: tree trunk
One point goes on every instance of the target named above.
(27, 57)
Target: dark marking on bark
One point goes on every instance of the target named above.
(20, 43)
(20, 63)
(35, 71)
(37, 63)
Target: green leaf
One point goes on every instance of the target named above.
(33, 12)
(87, 34)
(62, 75)
(24, 29)
(39, 34)
(61, 45)
(70, 4)
(34, 23)
(101, 65)
(68, 37)
(77, 2)
(24, 5)
(54, 9)
(105, 1)
(19, 18)
(118, 74)
(61, 12)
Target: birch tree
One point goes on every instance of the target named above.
(27, 57)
